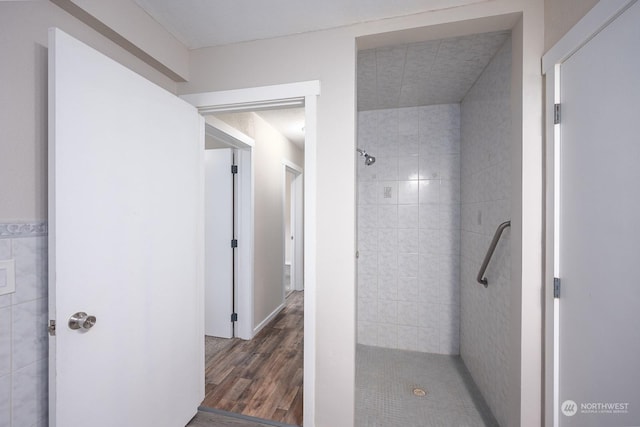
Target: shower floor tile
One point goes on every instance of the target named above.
(386, 378)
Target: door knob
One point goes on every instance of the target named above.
(82, 320)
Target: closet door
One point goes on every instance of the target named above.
(599, 240)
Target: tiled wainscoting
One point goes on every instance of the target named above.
(409, 229)
(23, 328)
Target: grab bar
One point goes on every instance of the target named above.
(492, 247)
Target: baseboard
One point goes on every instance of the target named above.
(268, 319)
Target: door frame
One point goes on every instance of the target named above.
(601, 15)
(291, 94)
(244, 217)
(297, 223)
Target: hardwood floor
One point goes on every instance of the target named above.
(263, 377)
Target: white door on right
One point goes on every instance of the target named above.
(599, 230)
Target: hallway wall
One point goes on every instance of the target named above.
(269, 151)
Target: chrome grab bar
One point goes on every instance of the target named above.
(492, 247)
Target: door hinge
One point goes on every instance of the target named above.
(556, 287)
(52, 327)
(234, 169)
(234, 243)
(556, 114)
(234, 317)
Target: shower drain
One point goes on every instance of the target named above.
(420, 392)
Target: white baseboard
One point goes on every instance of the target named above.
(268, 319)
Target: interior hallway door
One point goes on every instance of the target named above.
(219, 251)
(126, 245)
(599, 240)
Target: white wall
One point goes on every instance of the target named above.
(269, 151)
(560, 16)
(23, 107)
(486, 202)
(409, 229)
(330, 57)
(139, 28)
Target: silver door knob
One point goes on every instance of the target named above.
(82, 320)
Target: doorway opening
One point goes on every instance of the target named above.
(280, 96)
(256, 373)
(435, 131)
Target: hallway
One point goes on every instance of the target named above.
(260, 378)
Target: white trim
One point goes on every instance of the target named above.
(253, 97)
(268, 319)
(551, 251)
(310, 90)
(245, 282)
(255, 106)
(216, 128)
(294, 167)
(310, 206)
(591, 24)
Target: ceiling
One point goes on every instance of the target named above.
(289, 122)
(416, 74)
(202, 23)
(425, 73)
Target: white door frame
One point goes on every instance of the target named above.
(301, 93)
(243, 303)
(601, 15)
(296, 222)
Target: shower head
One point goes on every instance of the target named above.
(368, 160)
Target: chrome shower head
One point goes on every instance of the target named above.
(368, 160)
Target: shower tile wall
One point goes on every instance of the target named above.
(486, 189)
(409, 229)
(23, 325)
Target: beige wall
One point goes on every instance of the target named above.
(269, 151)
(140, 29)
(23, 105)
(560, 16)
(330, 56)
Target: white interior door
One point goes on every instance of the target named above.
(599, 240)
(126, 245)
(219, 225)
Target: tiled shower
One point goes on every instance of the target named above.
(429, 205)
(409, 229)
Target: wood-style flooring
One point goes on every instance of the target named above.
(207, 419)
(262, 377)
